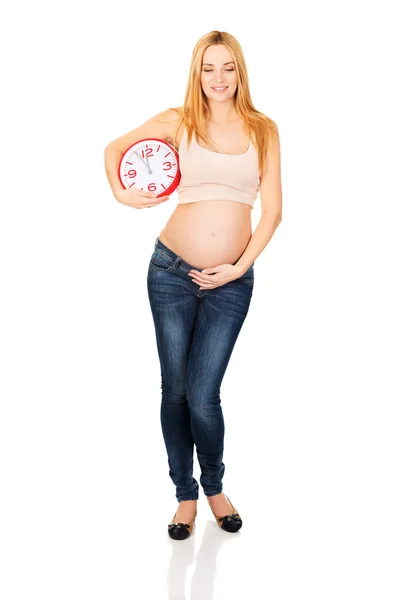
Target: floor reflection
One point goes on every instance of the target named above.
(182, 557)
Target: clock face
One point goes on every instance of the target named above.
(151, 165)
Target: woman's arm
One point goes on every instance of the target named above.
(271, 204)
(161, 126)
(271, 182)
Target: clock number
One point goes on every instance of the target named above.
(152, 187)
(132, 173)
(146, 152)
(167, 166)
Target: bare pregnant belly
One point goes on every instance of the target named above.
(208, 233)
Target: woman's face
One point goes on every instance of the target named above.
(218, 75)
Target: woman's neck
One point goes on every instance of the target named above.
(223, 113)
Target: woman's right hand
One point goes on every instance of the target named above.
(139, 198)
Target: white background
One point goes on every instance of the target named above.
(318, 394)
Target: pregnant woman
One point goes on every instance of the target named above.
(201, 273)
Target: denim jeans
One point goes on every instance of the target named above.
(196, 330)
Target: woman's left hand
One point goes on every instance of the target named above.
(214, 277)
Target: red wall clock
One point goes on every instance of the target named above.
(151, 165)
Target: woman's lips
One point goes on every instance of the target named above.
(220, 90)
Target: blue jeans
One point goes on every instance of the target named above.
(196, 330)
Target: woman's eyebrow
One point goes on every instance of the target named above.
(227, 63)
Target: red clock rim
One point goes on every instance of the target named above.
(174, 183)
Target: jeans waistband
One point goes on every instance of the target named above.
(171, 255)
(159, 246)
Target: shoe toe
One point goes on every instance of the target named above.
(231, 524)
(178, 531)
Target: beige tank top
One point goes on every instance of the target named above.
(208, 175)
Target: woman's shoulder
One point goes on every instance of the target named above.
(173, 120)
(171, 114)
(266, 120)
(267, 131)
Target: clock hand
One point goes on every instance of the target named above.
(148, 165)
(145, 163)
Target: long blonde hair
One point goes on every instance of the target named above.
(195, 111)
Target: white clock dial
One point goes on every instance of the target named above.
(151, 165)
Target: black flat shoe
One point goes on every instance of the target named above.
(181, 531)
(231, 522)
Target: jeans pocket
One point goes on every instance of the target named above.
(160, 262)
